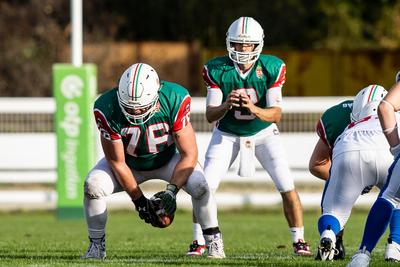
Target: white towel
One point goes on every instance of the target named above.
(246, 164)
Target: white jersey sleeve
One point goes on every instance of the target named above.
(274, 97)
(214, 97)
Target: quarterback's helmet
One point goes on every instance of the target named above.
(138, 93)
(398, 77)
(245, 30)
(368, 94)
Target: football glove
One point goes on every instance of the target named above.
(146, 210)
(168, 198)
(164, 219)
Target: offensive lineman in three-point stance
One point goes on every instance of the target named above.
(146, 134)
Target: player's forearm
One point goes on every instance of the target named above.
(320, 160)
(183, 169)
(273, 114)
(388, 122)
(320, 171)
(216, 113)
(126, 179)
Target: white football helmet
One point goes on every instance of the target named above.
(369, 109)
(138, 93)
(245, 30)
(368, 94)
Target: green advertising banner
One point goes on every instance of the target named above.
(75, 89)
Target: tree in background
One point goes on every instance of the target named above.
(33, 32)
(359, 24)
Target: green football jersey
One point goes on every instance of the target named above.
(221, 74)
(150, 145)
(333, 122)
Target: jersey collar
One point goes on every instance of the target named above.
(243, 75)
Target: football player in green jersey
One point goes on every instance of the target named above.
(146, 134)
(244, 100)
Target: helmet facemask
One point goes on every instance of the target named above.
(128, 109)
(138, 93)
(245, 30)
(243, 57)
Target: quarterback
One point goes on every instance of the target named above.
(146, 133)
(244, 97)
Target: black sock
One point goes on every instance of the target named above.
(340, 234)
(211, 231)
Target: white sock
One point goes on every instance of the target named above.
(198, 234)
(297, 233)
(96, 216)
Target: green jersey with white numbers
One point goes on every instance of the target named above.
(150, 145)
(221, 74)
(333, 122)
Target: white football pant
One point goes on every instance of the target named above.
(351, 172)
(224, 148)
(101, 182)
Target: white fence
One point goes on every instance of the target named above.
(31, 158)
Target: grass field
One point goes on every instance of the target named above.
(252, 238)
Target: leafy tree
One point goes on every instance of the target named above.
(33, 32)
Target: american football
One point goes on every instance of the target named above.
(166, 220)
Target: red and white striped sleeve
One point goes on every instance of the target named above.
(320, 129)
(104, 127)
(281, 78)
(208, 80)
(214, 93)
(182, 118)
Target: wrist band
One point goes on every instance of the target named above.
(389, 130)
(173, 188)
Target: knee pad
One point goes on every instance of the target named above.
(196, 185)
(200, 190)
(93, 188)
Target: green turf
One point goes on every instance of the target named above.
(252, 238)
